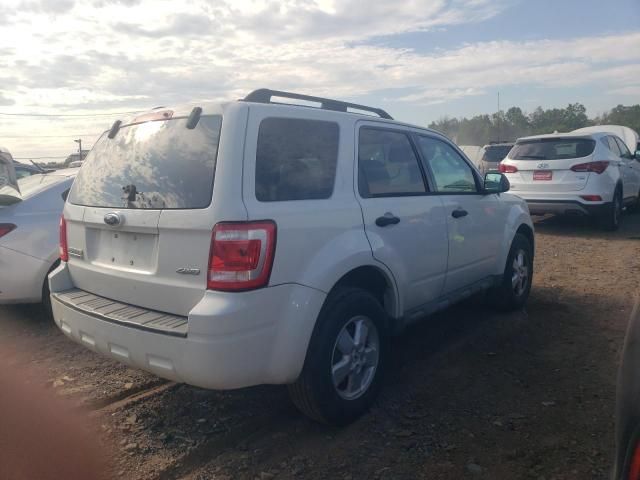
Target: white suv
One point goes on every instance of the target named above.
(256, 242)
(584, 172)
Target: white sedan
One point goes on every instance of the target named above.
(29, 220)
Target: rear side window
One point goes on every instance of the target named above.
(613, 146)
(624, 151)
(552, 148)
(296, 159)
(151, 165)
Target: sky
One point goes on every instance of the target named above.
(80, 64)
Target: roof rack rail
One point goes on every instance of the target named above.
(264, 95)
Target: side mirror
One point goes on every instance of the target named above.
(496, 183)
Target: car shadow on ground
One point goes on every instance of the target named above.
(585, 227)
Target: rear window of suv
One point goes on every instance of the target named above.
(152, 165)
(496, 153)
(552, 148)
(296, 159)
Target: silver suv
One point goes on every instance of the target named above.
(257, 242)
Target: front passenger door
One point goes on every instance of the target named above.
(476, 221)
(405, 224)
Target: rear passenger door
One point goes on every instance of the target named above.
(405, 225)
(476, 221)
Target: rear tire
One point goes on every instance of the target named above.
(345, 361)
(635, 207)
(513, 291)
(610, 219)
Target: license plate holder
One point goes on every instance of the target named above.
(544, 175)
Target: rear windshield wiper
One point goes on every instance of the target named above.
(533, 157)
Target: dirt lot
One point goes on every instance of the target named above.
(473, 394)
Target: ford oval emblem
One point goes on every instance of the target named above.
(112, 219)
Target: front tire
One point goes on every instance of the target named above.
(513, 291)
(346, 358)
(610, 220)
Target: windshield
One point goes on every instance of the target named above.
(552, 148)
(496, 153)
(152, 165)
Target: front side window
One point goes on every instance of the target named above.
(296, 159)
(450, 171)
(387, 165)
(152, 165)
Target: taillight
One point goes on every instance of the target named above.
(64, 250)
(596, 167)
(506, 168)
(241, 255)
(6, 228)
(634, 466)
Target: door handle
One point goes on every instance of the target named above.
(459, 213)
(387, 219)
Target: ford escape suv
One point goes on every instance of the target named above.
(256, 242)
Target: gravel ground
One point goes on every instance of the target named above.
(473, 394)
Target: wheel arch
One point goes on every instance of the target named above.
(527, 232)
(376, 281)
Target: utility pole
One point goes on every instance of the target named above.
(79, 142)
(499, 119)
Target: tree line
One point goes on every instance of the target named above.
(514, 123)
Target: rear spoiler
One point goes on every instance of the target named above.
(9, 189)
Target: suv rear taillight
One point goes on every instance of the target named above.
(634, 464)
(6, 228)
(505, 168)
(241, 255)
(596, 167)
(64, 251)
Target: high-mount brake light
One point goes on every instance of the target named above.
(634, 466)
(156, 115)
(241, 255)
(595, 167)
(506, 168)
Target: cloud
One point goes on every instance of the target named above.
(180, 25)
(55, 7)
(5, 101)
(119, 55)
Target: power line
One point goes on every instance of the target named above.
(22, 114)
(39, 158)
(52, 136)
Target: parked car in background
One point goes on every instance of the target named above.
(76, 164)
(284, 248)
(29, 219)
(9, 189)
(627, 135)
(583, 173)
(627, 458)
(488, 157)
(26, 170)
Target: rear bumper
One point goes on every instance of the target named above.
(233, 340)
(22, 277)
(566, 207)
